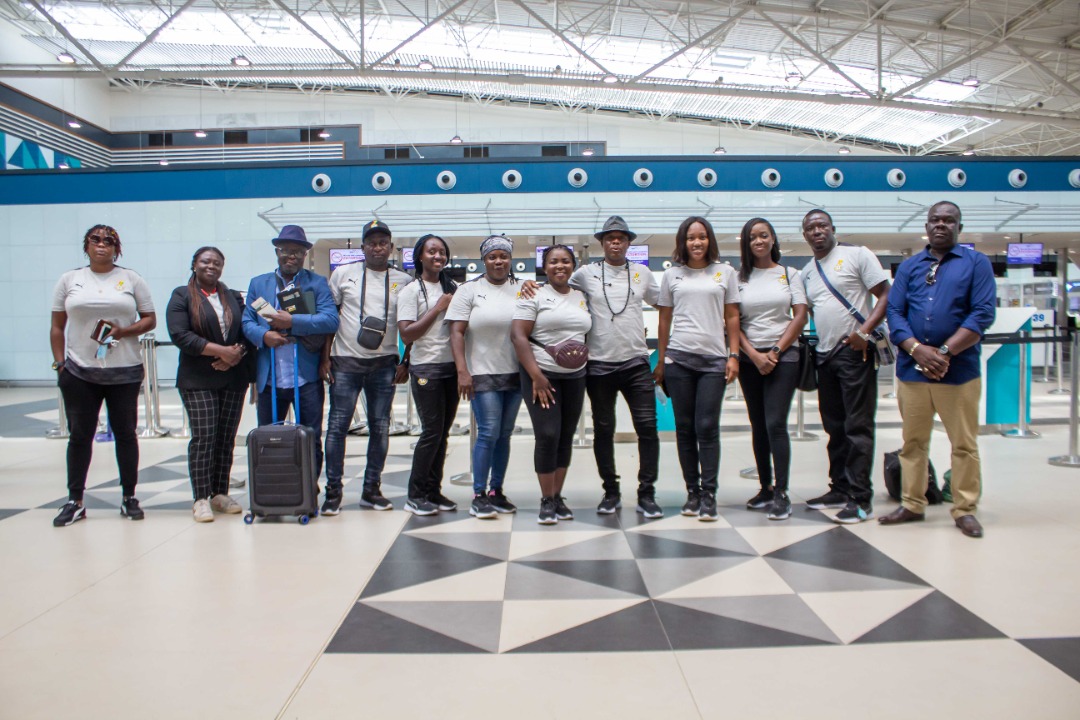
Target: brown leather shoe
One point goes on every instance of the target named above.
(969, 526)
(901, 515)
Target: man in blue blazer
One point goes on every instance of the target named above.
(296, 338)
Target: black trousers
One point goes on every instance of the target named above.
(847, 395)
(82, 404)
(215, 416)
(696, 398)
(554, 427)
(436, 404)
(768, 402)
(636, 387)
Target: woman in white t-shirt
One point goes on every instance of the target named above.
(773, 311)
(555, 315)
(98, 313)
(697, 356)
(421, 321)
(487, 370)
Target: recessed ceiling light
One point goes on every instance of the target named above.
(324, 134)
(426, 64)
(66, 58)
(610, 79)
(241, 61)
(74, 124)
(200, 133)
(456, 140)
(163, 161)
(720, 150)
(794, 76)
(970, 81)
(968, 151)
(844, 150)
(587, 152)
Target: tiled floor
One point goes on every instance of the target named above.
(386, 615)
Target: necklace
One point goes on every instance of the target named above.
(603, 286)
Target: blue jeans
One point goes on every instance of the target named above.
(310, 411)
(378, 387)
(495, 412)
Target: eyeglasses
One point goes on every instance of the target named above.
(931, 277)
(292, 253)
(98, 240)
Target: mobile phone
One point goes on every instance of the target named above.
(102, 330)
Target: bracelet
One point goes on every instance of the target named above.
(864, 336)
(911, 352)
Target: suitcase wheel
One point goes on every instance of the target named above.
(303, 519)
(315, 514)
(248, 519)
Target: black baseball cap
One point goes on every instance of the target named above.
(375, 226)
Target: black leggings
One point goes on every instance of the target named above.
(82, 404)
(436, 404)
(554, 427)
(768, 402)
(696, 398)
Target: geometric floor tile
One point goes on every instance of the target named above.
(486, 583)
(1062, 653)
(780, 612)
(690, 629)
(621, 575)
(852, 614)
(6, 513)
(724, 539)
(652, 547)
(529, 583)
(812, 578)
(675, 522)
(843, 550)
(611, 546)
(754, 577)
(493, 545)
(767, 539)
(935, 617)
(367, 630)
(635, 629)
(526, 621)
(665, 575)
(475, 623)
(526, 544)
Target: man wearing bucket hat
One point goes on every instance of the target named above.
(306, 320)
(363, 357)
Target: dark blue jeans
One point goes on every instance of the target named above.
(378, 387)
(310, 412)
(495, 412)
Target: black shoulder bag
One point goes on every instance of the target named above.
(372, 329)
(885, 354)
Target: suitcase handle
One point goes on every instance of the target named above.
(296, 385)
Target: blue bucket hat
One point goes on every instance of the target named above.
(292, 234)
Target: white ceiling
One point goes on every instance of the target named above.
(886, 74)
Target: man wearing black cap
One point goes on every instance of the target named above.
(363, 355)
(305, 323)
(619, 362)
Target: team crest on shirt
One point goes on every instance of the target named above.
(783, 279)
(393, 288)
(581, 305)
(718, 277)
(518, 295)
(637, 278)
(421, 381)
(120, 286)
(839, 265)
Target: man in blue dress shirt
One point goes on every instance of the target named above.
(940, 305)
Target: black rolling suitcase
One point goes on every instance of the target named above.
(281, 463)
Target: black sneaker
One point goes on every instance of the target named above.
(421, 506)
(130, 508)
(760, 501)
(373, 499)
(561, 510)
(831, 499)
(500, 503)
(609, 504)
(693, 504)
(854, 513)
(647, 506)
(442, 502)
(331, 506)
(780, 508)
(71, 513)
(482, 508)
(707, 513)
(547, 511)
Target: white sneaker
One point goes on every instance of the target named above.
(225, 504)
(202, 512)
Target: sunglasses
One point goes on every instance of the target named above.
(291, 253)
(99, 240)
(931, 277)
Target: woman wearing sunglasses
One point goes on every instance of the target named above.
(98, 313)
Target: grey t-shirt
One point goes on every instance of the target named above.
(118, 296)
(556, 317)
(697, 298)
(765, 303)
(433, 348)
(489, 310)
(618, 327)
(345, 284)
(852, 270)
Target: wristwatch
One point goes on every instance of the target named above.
(775, 349)
(944, 350)
(57, 365)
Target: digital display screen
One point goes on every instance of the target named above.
(540, 256)
(638, 254)
(345, 256)
(407, 259)
(1024, 254)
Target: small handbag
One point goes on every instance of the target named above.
(372, 329)
(570, 354)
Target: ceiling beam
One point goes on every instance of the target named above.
(307, 26)
(153, 35)
(559, 34)
(71, 38)
(694, 43)
(1036, 65)
(817, 55)
(438, 19)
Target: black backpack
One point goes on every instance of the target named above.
(891, 470)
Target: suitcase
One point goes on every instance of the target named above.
(281, 463)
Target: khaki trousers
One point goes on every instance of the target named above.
(958, 408)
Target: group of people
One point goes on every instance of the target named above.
(497, 341)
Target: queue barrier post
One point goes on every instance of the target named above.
(1046, 358)
(1073, 457)
(466, 478)
(1059, 361)
(61, 430)
(151, 411)
(800, 434)
(1022, 431)
(581, 440)
(185, 426)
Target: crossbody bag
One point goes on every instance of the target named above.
(885, 354)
